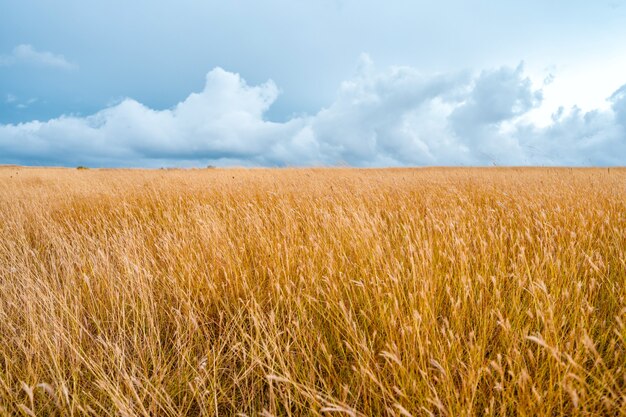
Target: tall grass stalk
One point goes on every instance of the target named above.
(404, 292)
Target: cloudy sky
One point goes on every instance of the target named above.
(312, 82)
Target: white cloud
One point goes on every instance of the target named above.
(15, 101)
(223, 121)
(398, 116)
(27, 54)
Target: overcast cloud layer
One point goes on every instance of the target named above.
(392, 117)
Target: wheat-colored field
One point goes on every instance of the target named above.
(407, 292)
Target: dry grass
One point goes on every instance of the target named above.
(441, 292)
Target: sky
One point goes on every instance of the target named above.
(312, 83)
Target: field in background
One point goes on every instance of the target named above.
(423, 292)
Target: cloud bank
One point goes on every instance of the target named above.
(27, 54)
(395, 117)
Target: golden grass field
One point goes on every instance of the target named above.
(406, 292)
